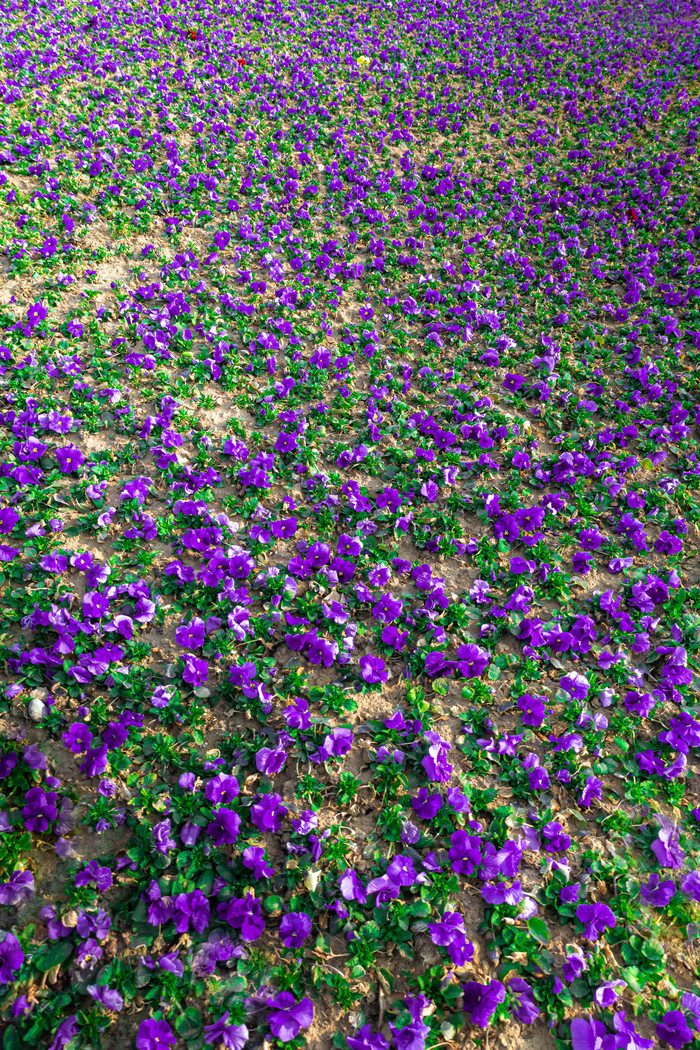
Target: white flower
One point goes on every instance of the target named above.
(311, 879)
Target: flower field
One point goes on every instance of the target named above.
(349, 469)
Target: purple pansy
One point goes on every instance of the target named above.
(287, 1016)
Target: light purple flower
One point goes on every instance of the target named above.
(108, 997)
(576, 685)
(18, 890)
(667, 849)
(233, 1036)
(606, 994)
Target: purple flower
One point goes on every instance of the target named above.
(267, 813)
(667, 849)
(295, 927)
(519, 565)
(626, 1028)
(532, 708)
(269, 761)
(502, 893)
(523, 1005)
(88, 953)
(191, 635)
(254, 858)
(171, 963)
(222, 789)
(574, 965)
(426, 806)
(674, 1030)
(7, 764)
(54, 926)
(587, 1035)
(154, 1035)
(108, 997)
(351, 886)
(233, 1036)
(606, 994)
(373, 669)
(39, 809)
(36, 314)
(471, 660)
(450, 933)
(366, 1039)
(69, 458)
(691, 885)
(388, 609)
(11, 958)
(576, 685)
(21, 1006)
(412, 1036)
(161, 836)
(288, 1016)
(95, 762)
(78, 737)
(191, 910)
(19, 889)
(592, 789)
(65, 1032)
(244, 913)
(101, 877)
(195, 672)
(435, 764)
(465, 852)
(480, 1001)
(338, 742)
(224, 828)
(658, 894)
(595, 919)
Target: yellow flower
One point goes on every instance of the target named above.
(363, 61)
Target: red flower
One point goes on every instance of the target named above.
(631, 214)
(193, 34)
(241, 61)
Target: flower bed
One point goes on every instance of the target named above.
(349, 430)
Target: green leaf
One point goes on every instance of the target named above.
(52, 955)
(441, 686)
(539, 930)
(189, 1023)
(493, 673)
(634, 977)
(11, 1039)
(273, 903)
